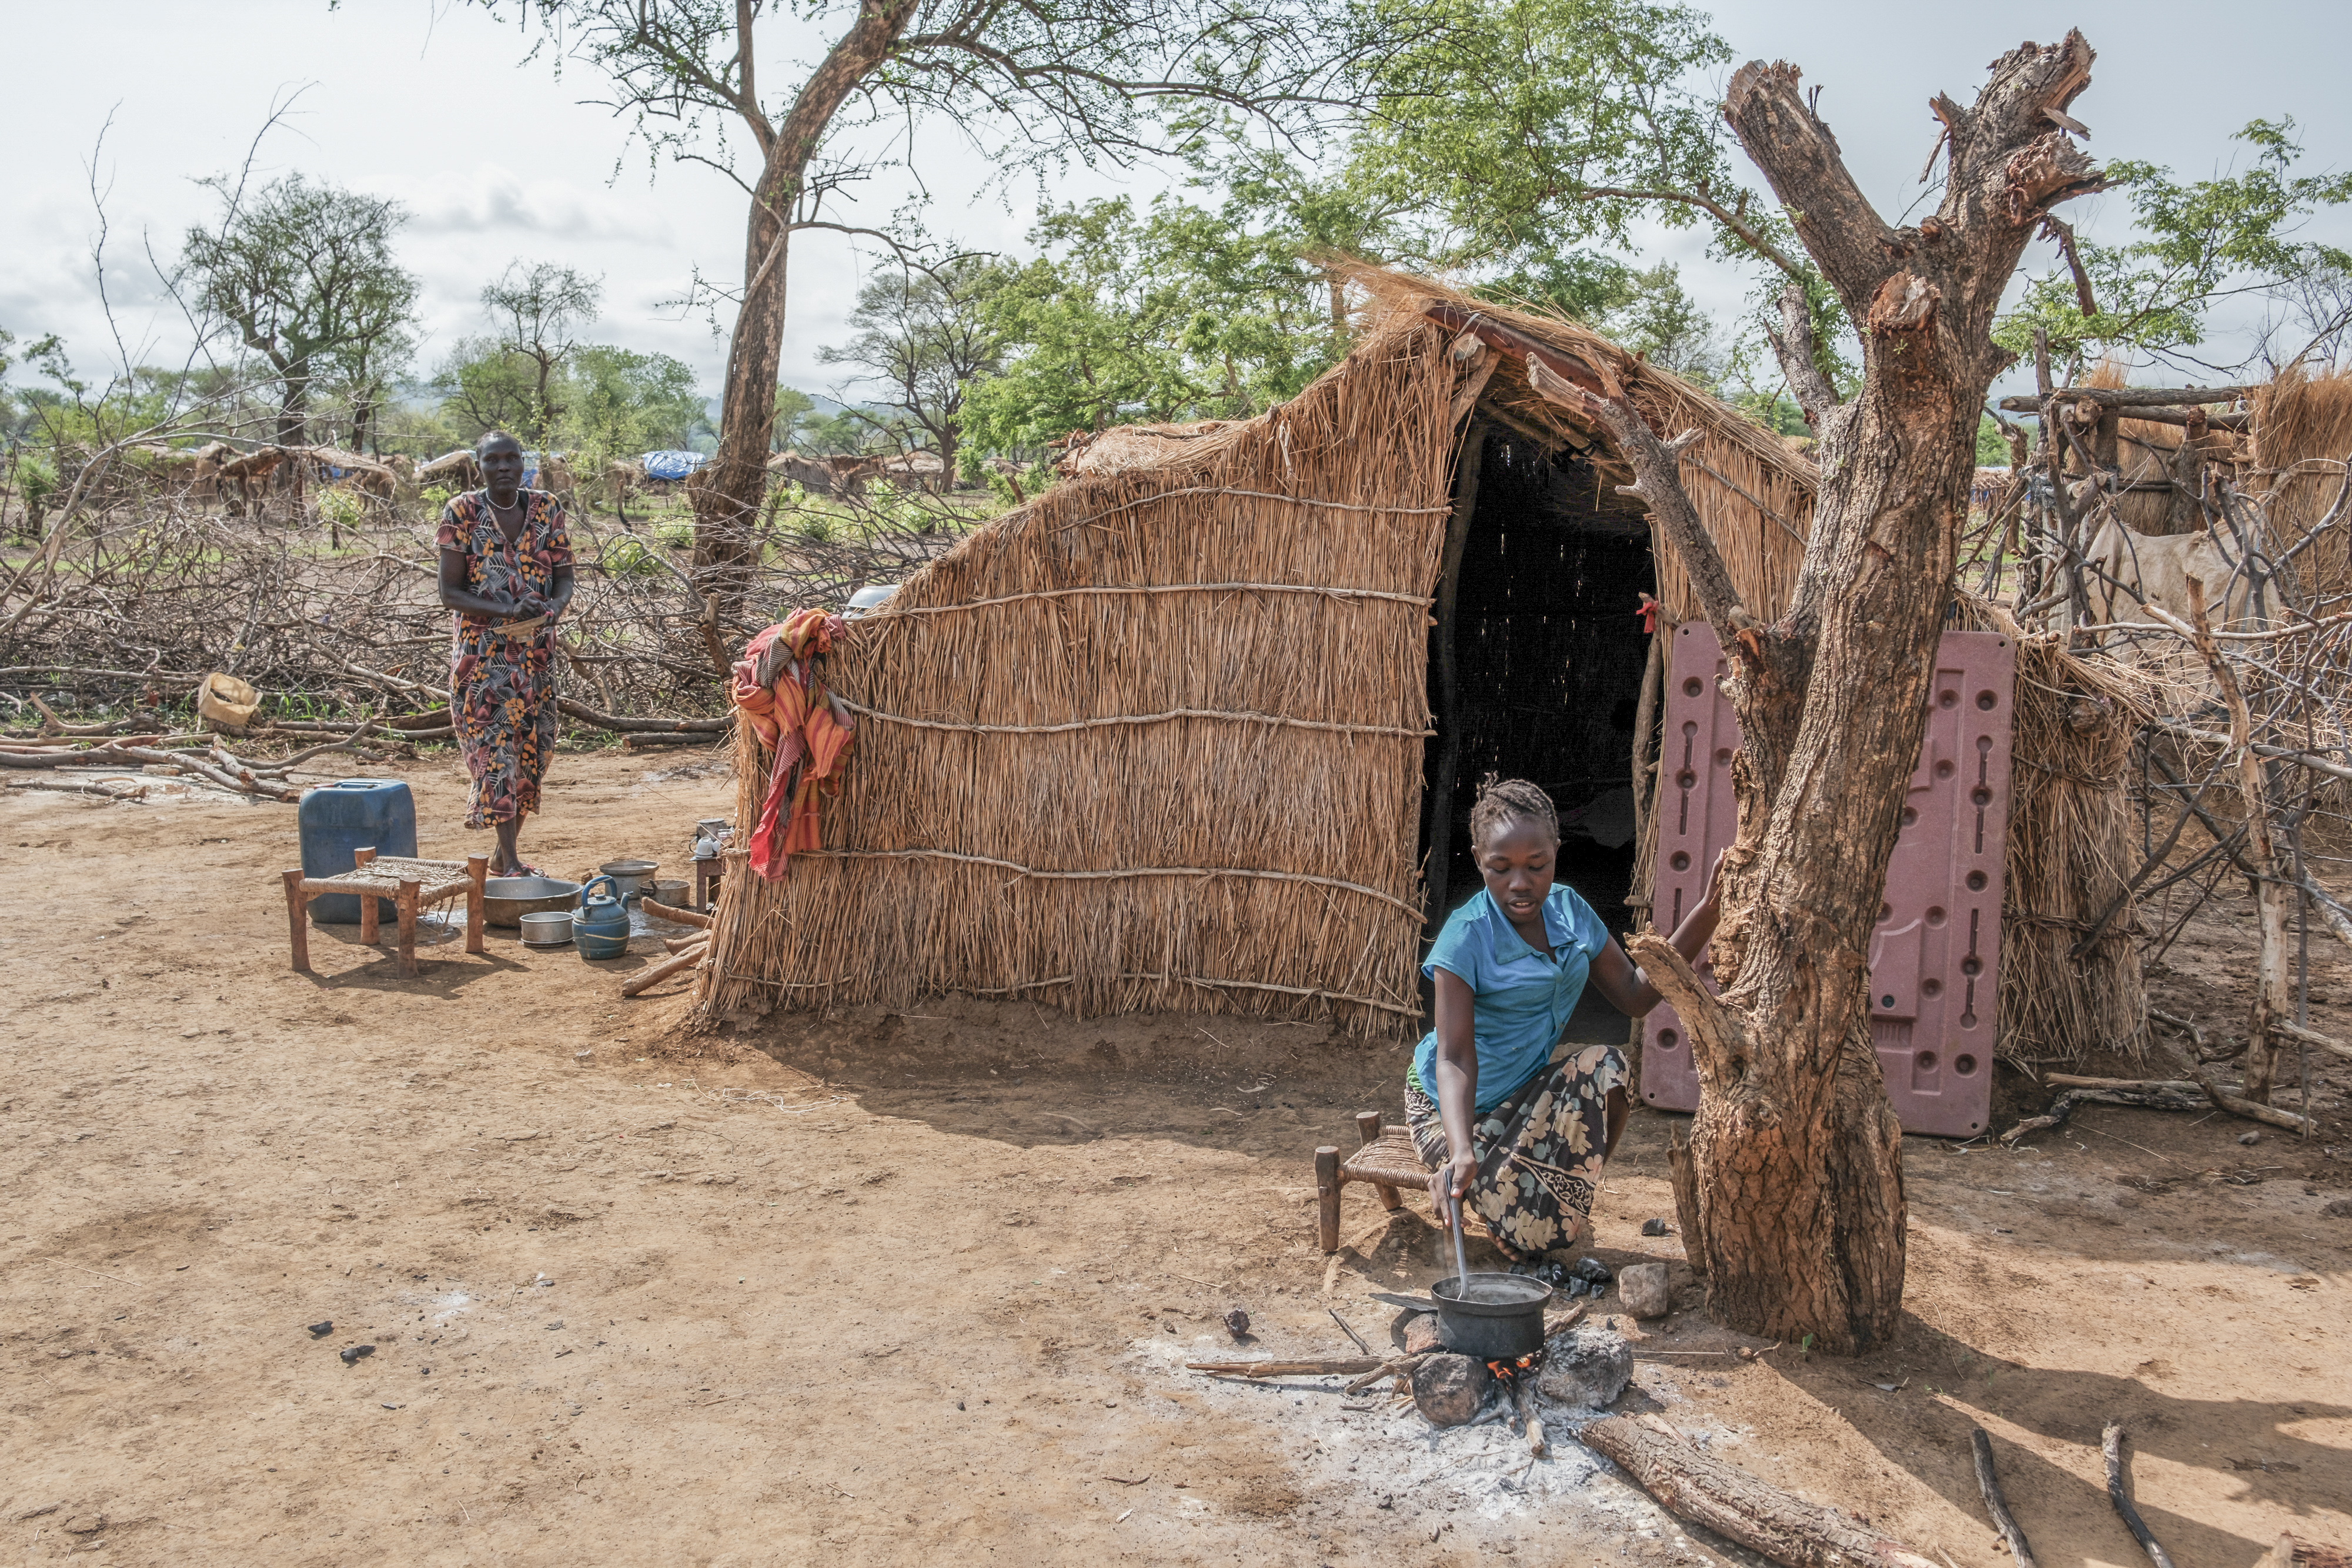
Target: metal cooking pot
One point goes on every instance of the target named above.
(546, 928)
(1502, 1329)
(507, 899)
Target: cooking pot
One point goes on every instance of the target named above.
(1502, 1320)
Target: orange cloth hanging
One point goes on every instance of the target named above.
(780, 693)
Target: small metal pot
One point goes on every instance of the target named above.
(546, 928)
(1501, 1330)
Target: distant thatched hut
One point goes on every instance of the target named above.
(1184, 731)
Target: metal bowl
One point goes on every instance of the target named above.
(507, 899)
(546, 928)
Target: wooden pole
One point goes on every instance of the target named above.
(1449, 675)
(1326, 1196)
(406, 905)
(368, 906)
(477, 871)
(1367, 1132)
(298, 923)
(664, 971)
(683, 916)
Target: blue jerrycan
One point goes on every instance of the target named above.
(601, 929)
(376, 814)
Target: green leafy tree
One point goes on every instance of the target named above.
(537, 309)
(922, 336)
(1175, 312)
(796, 410)
(301, 273)
(2194, 242)
(619, 401)
(484, 385)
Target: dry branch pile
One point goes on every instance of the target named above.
(149, 588)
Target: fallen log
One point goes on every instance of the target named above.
(620, 725)
(665, 969)
(1323, 1367)
(2145, 1095)
(1704, 1490)
(683, 916)
(634, 742)
(2238, 1105)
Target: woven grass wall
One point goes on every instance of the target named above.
(1256, 853)
(2302, 434)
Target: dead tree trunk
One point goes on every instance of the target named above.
(727, 491)
(1792, 1176)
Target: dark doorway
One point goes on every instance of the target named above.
(1548, 656)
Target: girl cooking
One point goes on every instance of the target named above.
(1510, 1117)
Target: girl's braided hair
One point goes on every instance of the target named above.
(1502, 800)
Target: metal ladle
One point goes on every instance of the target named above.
(1460, 1258)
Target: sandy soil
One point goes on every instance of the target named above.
(916, 1288)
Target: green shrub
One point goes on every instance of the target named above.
(437, 496)
(629, 556)
(340, 506)
(678, 534)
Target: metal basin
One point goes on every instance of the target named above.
(1504, 1321)
(507, 899)
(629, 876)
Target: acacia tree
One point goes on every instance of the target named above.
(1040, 79)
(1791, 1188)
(537, 307)
(923, 338)
(301, 273)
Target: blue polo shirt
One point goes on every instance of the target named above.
(1522, 997)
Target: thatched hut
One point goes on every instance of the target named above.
(1198, 727)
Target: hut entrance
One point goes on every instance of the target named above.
(1547, 656)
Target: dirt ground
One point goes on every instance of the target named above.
(882, 1288)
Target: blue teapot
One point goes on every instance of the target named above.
(601, 929)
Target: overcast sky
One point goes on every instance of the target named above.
(428, 101)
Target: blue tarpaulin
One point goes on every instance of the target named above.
(672, 464)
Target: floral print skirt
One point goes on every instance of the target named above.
(1540, 1152)
(502, 703)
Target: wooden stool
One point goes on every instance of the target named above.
(407, 883)
(1386, 1159)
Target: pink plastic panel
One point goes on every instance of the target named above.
(1934, 959)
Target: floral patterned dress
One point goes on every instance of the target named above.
(502, 681)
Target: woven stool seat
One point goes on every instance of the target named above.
(384, 874)
(405, 879)
(1389, 1160)
(1385, 1158)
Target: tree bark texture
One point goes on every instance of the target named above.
(1791, 1185)
(728, 490)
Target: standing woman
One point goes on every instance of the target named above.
(1509, 1116)
(506, 570)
